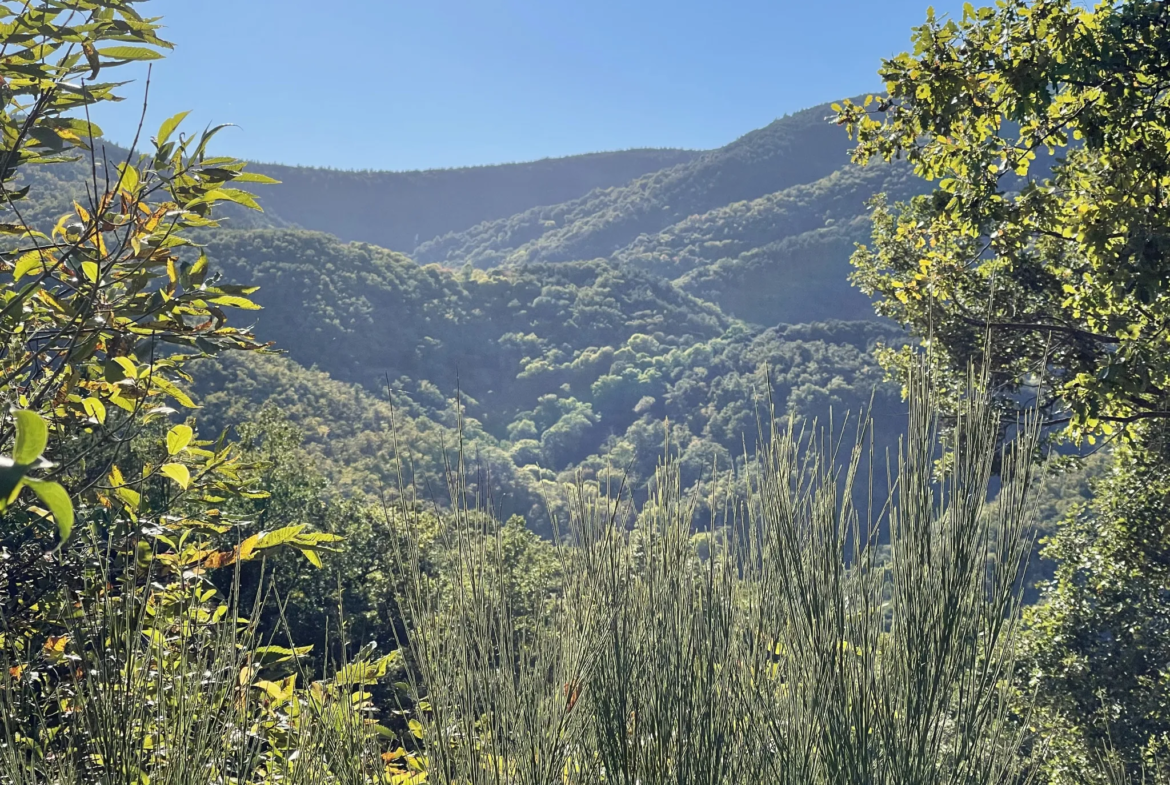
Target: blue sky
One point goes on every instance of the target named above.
(398, 84)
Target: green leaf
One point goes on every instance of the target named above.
(32, 434)
(177, 472)
(128, 367)
(11, 480)
(228, 195)
(178, 438)
(168, 127)
(129, 496)
(129, 53)
(128, 178)
(255, 177)
(271, 655)
(17, 301)
(280, 536)
(172, 390)
(27, 263)
(57, 500)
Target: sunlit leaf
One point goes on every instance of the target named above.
(178, 438)
(57, 500)
(32, 435)
(177, 472)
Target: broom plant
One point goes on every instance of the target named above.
(809, 641)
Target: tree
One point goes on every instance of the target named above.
(1043, 255)
(1098, 647)
(1045, 244)
(104, 310)
(119, 661)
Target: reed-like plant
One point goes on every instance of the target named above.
(809, 642)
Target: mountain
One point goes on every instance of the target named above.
(762, 227)
(568, 341)
(668, 300)
(796, 149)
(541, 373)
(401, 209)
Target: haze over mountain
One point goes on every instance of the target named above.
(399, 210)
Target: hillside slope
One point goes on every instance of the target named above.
(763, 227)
(553, 369)
(796, 149)
(399, 210)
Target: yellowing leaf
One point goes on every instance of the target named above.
(248, 548)
(129, 53)
(55, 644)
(219, 559)
(177, 472)
(95, 409)
(172, 390)
(128, 367)
(27, 263)
(235, 302)
(281, 536)
(178, 438)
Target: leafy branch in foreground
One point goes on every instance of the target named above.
(120, 660)
(1043, 247)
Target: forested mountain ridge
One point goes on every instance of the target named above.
(361, 312)
(795, 149)
(763, 227)
(554, 368)
(400, 210)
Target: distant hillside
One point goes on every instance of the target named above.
(796, 149)
(554, 368)
(763, 227)
(399, 210)
(361, 312)
(782, 257)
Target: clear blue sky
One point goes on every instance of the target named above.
(411, 84)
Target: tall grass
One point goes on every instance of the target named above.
(812, 642)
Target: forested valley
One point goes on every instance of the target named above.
(837, 454)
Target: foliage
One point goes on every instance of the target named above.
(101, 314)
(1097, 648)
(1056, 268)
(1041, 255)
(795, 149)
(603, 427)
(120, 662)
